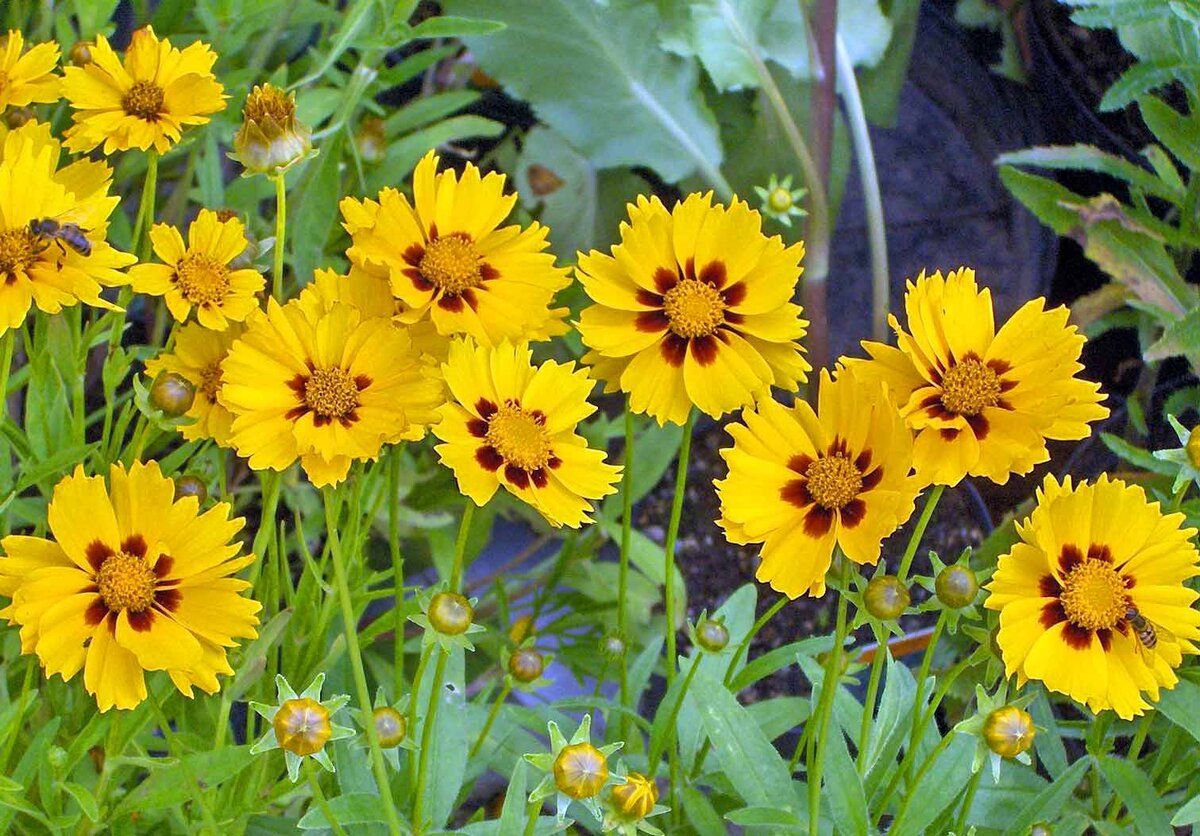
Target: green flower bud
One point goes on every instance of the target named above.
(450, 613)
(172, 394)
(886, 597)
(956, 586)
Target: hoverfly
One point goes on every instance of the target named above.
(72, 235)
(1146, 632)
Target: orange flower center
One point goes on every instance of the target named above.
(452, 264)
(833, 481)
(269, 103)
(144, 100)
(1094, 596)
(210, 382)
(202, 279)
(580, 770)
(969, 386)
(17, 251)
(694, 308)
(302, 726)
(331, 393)
(126, 582)
(519, 437)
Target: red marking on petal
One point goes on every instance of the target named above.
(853, 513)
(863, 461)
(540, 479)
(1052, 614)
(433, 232)
(95, 613)
(872, 479)
(96, 553)
(362, 381)
(168, 599)
(298, 384)
(649, 298)
(471, 298)
(1105, 637)
(296, 413)
(485, 408)
(454, 303)
(554, 463)
(734, 295)
(674, 350)
(818, 521)
(948, 433)
(704, 350)
(477, 427)
(689, 269)
(489, 458)
(1100, 552)
(1069, 558)
(419, 282)
(413, 255)
(714, 274)
(999, 366)
(164, 566)
(839, 447)
(796, 493)
(664, 279)
(1076, 637)
(488, 273)
(799, 463)
(1049, 587)
(516, 476)
(141, 621)
(651, 322)
(979, 425)
(538, 417)
(1130, 581)
(134, 544)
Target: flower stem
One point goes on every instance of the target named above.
(188, 774)
(931, 504)
(960, 825)
(532, 813)
(397, 569)
(460, 547)
(672, 534)
(1135, 749)
(427, 725)
(350, 628)
(491, 719)
(918, 727)
(319, 797)
(145, 214)
(623, 571)
(280, 230)
(816, 741)
(925, 766)
(864, 734)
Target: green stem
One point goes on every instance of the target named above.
(491, 719)
(922, 675)
(460, 546)
(397, 570)
(868, 718)
(422, 663)
(1135, 750)
(667, 740)
(960, 825)
(269, 484)
(427, 725)
(931, 503)
(909, 796)
(30, 669)
(319, 797)
(7, 346)
(669, 548)
(623, 571)
(532, 813)
(860, 138)
(833, 671)
(280, 230)
(176, 752)
(350, 628)
(78, 400)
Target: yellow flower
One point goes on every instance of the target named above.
(447, 259)
(197, 355)
(982, 402)
(270, 139)
(133, 581)
(636, 798)
(1092, 600)
(513, 424)
(27, 79)
(198, 275)
(802, 482)
(144, 101)
(693, 307)
(326, 390)
(41, 268)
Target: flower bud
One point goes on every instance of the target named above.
(526, 665)
(712, 635)
(1193, 447)
(956, 587)
(190, 485)
(450, 613)
(635, 799)
(270, 140)
(612, 646)
(580, 770)
(172, 394)
(1009, 731)
(390, 726)
(302, 726)
(521, 629)
(81, 53)
(780, 199)
(56, 757)
(1041, 829)
(887, 597)
(18, 116)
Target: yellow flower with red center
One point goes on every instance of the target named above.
(133, 581)
(1093, 601)
(693, 307)
(53, 222)
(803, 482)
(27, 77)
(327, 389)
(447, 257)
(143, 100)
(512, 424)
(982, 402)
(197, 355)
(198, 275)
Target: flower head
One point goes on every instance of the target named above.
(52, 227)
(577, 770)
(982, 402)
(512, 424)
(802, 482)
(197, 355)
(270, 140)
(134, 580)
(1092, 600)
(143, 100)
(1003, 728)
(447, 258)
(447, 619)
(27, 77)
(630, 803)
(326, 389)
(693, 307)
(198, 275)
(300, 724)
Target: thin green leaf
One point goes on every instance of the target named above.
(85, 799)
(1187, 814)
(1050, 801)
(1137, 792)
(1173, 130)
(447, 26)
(356, 808)
(843, 786)
(1081, 157)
